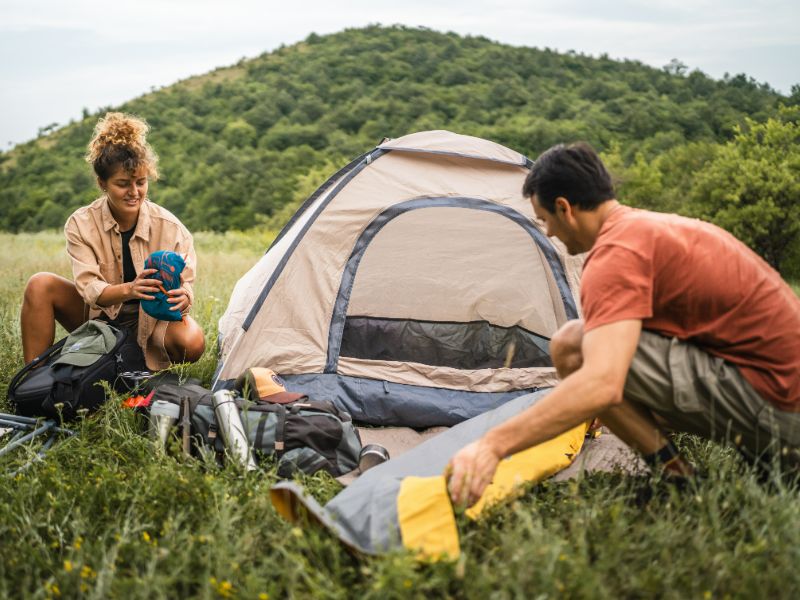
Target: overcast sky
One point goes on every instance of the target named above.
(59, 56)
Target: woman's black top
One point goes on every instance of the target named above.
(128, 272)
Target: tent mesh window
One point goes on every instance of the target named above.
(474, 345)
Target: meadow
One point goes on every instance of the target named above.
(104, 516)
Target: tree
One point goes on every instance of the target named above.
(234, 141)
(637, 184)
(752, 187)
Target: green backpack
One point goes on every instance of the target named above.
(305, 435)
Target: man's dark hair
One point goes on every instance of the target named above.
(574, 172)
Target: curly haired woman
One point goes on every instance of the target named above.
(108, 242)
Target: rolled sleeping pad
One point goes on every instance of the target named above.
(404, 502)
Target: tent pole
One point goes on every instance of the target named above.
(230, 352)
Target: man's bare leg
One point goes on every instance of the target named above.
(48, 298)
(629, 421)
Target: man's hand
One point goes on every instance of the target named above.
(591, 390)
(471, 471)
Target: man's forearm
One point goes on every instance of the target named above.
(576, 399)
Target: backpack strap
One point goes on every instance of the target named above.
(42, 358)
(62, 391)
(262, 426)
(280, 445)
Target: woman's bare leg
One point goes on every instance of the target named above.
(48, 298)
(184, 341)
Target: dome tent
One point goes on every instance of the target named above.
(413, 288)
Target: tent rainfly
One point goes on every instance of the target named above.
(413, 288)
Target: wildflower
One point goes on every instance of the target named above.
(146, 537)
(263, 596)
(223, 588)
(68, 566)
(88, 573)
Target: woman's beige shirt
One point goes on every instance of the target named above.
(94, 245)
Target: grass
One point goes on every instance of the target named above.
(105, 516)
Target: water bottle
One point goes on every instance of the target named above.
(230, 425)
(163, 416)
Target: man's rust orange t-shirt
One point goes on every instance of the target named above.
(692, 280)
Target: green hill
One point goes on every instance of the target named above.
(241, 142)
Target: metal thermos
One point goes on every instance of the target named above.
(163, 416)
(372, 455)
(232, 429)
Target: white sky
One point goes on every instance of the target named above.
(59, 56)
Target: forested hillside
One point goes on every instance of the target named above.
(241, 142)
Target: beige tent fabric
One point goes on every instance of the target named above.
(473, 265)
(291, 335)
(446, 142)
(478, 380)
(250, 285)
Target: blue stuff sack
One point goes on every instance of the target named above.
(170, 265)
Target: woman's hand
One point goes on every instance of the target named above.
(179, 299)
(471, 471)
(142, 287)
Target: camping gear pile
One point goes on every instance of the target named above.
(63, 380)
(260, 419)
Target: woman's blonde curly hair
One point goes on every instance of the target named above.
(121, 140)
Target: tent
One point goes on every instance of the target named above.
(412, 288)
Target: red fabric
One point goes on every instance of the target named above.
(692, 280)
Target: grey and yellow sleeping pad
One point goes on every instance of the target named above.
(404, 502)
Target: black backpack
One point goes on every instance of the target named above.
(42, 389)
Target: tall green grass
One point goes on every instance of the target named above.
(105, 516)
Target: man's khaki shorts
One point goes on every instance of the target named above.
(696, 392)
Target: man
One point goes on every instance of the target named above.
(681, 322)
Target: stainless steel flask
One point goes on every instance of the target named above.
(232, 429)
